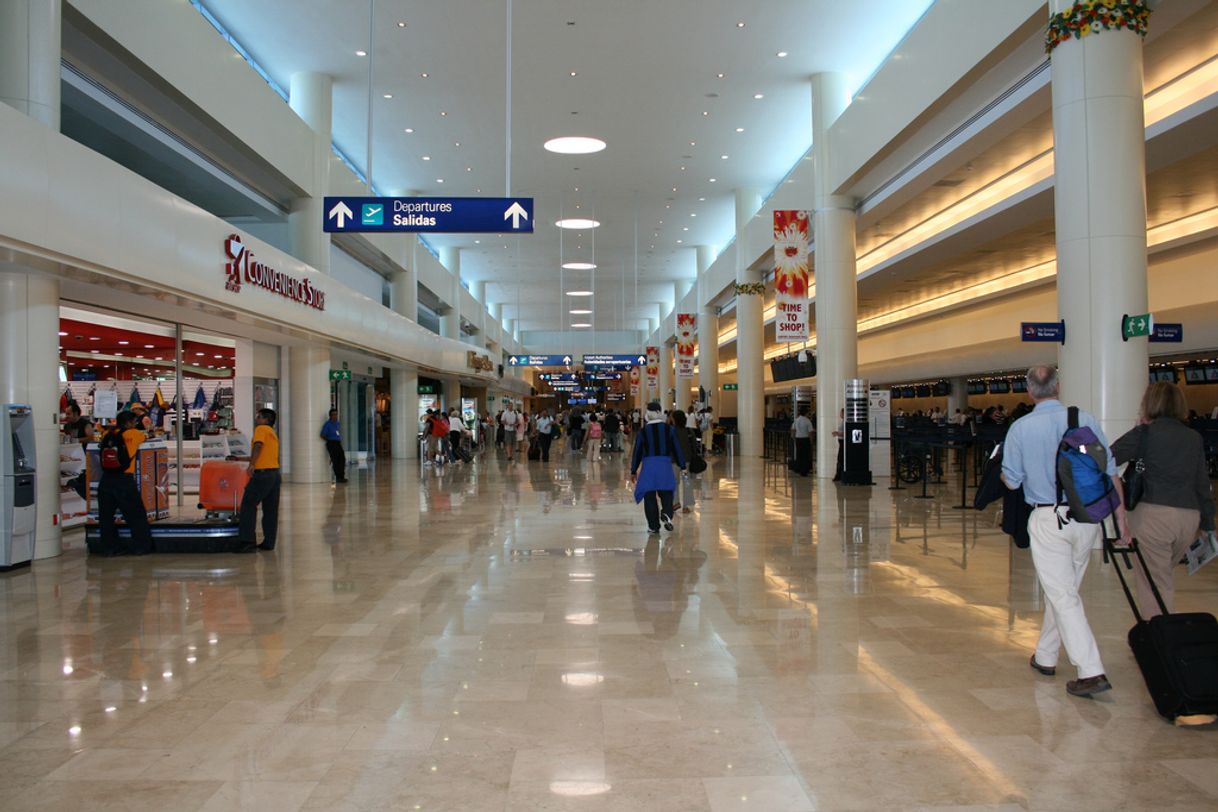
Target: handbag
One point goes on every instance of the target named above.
(697, 464)
(1134, 478)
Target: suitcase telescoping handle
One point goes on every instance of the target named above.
(1113, 551)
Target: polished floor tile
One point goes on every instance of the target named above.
(509, 637)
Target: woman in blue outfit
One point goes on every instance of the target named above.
(655, 450)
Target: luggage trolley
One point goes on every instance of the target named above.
(221, 486)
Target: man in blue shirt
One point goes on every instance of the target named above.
(332, 434)
(1061, 547)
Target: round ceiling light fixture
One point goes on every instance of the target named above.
(574, 145)
(579, 293)
(580, 312)
(581, 324)
(579, 266)
(577, 223)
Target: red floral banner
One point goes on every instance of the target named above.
(687, 342)
(653, 367)
(791, 275)
(634, 382)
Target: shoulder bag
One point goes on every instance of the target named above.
(1134, 478)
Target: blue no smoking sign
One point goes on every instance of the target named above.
(439, 215)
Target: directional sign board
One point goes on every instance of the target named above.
(1172, 333)
(615, 360)
(558, 376)
(1043, 331)
(540, 360)
(435, 215)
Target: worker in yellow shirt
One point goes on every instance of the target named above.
(117, 491)
(263, 486)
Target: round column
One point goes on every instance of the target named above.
(311, 97)
(29, 58)
(958, 397)
(404, 413)
(666, 376)
(452, 393)
(1100, 217)
(750, 336)
(29, 361)
(837, 357)
(450, 321)
(308, 403)
(708, 333)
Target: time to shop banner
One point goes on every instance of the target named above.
(687, 342)
(653, 367)
(791, 275)
(634, 382)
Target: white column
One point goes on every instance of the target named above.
(837, 356)
(308, 401)
(450, 321)
(958, 398)
(311, 97)
(452, 393)
(29, 58)
(29, 360)
(750, 337)
(243, 386)
(708, 332)
(1100, 217)
(404, 413)
(666, 376)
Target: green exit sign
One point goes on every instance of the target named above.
(1134, 326)
(340, 374)
(427, 389)
(730, 387)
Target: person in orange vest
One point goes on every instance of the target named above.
(263, 487)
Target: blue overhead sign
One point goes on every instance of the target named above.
(540, 360)
(1043, 331)
(435, 215)
(1167, 333)
(558, 376)
(615, 360)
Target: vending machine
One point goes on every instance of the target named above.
(18, 486)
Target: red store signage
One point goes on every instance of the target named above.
(243, 268)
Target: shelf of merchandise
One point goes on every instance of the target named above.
(72, 508)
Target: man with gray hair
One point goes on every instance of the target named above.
(1061, 546)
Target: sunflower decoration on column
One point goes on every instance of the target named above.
(750, 288)
(1088, 17)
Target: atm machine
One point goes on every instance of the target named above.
(18, 486)
(856, 453)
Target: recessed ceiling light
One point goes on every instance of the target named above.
(402, 24)
(577, 223)
(740, 129)
(682, 169)
(409, 129)
(579, 293)
(693, 214)
(740, 24)
(62, 333)
(95, 352)
(680, 241)
(469, 169)
(701, 199)
(758, 95)
(443, 113)
(94, 338)
(456, 143)
(706, 112)
(579, 266)
(719, 75)
(712, 180)
(723, 157)
(581, 312)
(439, 180)
(477, 242)
(361, 53)
(124, 343)
(574, 145)
(685, 228)
(388, 95)
(573, 73)
(424, 75)
(581, 324)
(149, 346)
(782, 54)
(426, 157)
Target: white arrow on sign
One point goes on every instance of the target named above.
(512, 360)
(566, 359)
(642, 360)
(340, 213)
(515, 211)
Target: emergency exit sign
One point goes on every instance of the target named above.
(730, 387)
(340, 374)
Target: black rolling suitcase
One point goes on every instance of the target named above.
(534, 452)
(1178, 653)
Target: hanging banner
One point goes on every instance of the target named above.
(653, 367)
(791, 275)
(634, 382)
(687, 338)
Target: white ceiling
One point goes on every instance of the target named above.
(646, 73)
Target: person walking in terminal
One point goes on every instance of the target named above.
(655, 449)
(510, 420)
(331, 432)
(545, 435)
(117, 490)
(801, 430)
(1061, 546)
(1177, 502)
(263, 487)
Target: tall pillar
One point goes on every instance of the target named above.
(29, 58)
(666, 376)
(309, 401)
(1100, 217)
(450, 321)
(404, 413)
(29, 303)
(452, 393)
(958, 397)
(708, 333)
(837, 353)
(29, 361)
(311, 97)
(750, 337)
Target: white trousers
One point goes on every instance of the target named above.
(1060, 556)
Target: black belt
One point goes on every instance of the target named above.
(266, 471)
(1044, 504)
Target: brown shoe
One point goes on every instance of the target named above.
(1047, 670)
(1088, 687)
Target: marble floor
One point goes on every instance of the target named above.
(508, 637)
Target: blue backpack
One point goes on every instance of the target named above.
(1082, 474)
